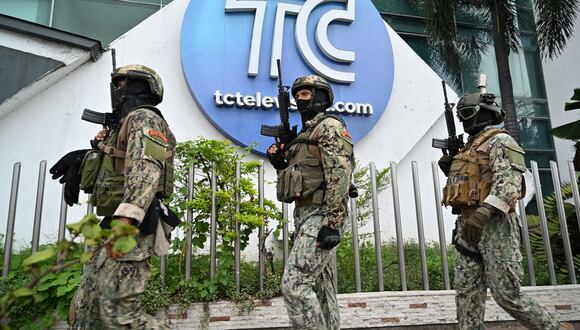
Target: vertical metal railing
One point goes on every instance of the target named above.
(62, 216)
(420, 231)
(575, 192)
(563, 224)
(213, 225)
(440, 225)
(377, 226)
(526, 239)
(353, 218)
(11, 219)
(261, 243)
(189, 224)
(543, 222)
(355, 244)
(285, 247)
(237, 224)
(38, 206)
(398, 227)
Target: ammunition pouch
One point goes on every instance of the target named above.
(303, 179)
(90, 169)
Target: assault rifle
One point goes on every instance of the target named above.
(454, 142)
(282, 133)
(108, 119)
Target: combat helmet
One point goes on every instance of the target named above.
(138, 71)
(470, 106)
(314, 83)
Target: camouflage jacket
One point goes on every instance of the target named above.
(142, 167)
(506, 159)
(335, 150)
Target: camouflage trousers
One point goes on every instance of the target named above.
(307, 284)
(501, 270)
(108, 296)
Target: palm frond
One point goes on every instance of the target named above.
(555, 25)
(508, 17)
(570, 131)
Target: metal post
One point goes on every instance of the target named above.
(334, 271)
(51, 18)
(213, 230)
(563, 223)
(237, 241)
(162, 269)
(355, 244)
(575, 191)
(399, 230)
(38, 207)
(90, 207)
(11, 219)
(440, 225)
(377, 227)
(420, 231)
(189, 219)
(285, 233)
(261, 242)
(526, 238)
(62, 217)
(543, 222)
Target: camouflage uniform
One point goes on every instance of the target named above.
(500, 265)
(307, 284)
(108, 296)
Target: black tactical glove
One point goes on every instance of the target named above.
(62, 166)
(328, 238)
(473, 225)
(277, 159)
(68, 171)
(445, 164)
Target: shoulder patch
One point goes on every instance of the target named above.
(156, 133)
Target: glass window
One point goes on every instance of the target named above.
(535, 133)
(19, 69)
(543, 158)
(104, 20)
(37, 11)
(402, 7)
(532, 108)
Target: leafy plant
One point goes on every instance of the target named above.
(555, 235)
(48, 278)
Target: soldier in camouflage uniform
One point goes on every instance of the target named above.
(314, 172)
(484, 182)
(134, 171)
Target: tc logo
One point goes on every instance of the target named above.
(229, 50)
(302, 12)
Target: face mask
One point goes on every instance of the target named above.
(302, 105)
(118, 96)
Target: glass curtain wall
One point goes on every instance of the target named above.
(103, 20)
(525, 67)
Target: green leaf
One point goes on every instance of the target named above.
(23, 292)
(86, 257)
(124, 244)
(39, 256)
(91, 231)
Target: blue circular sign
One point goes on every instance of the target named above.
(229, 50)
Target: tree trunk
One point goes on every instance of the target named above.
(503, 69)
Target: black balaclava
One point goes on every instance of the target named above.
(476, 124)
(310, 108)
(134, 94)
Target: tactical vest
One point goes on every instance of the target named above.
(470, 177)
(304, 176)
(103, 170)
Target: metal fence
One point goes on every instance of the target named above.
(353, 219)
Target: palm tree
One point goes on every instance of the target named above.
(554, 26)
